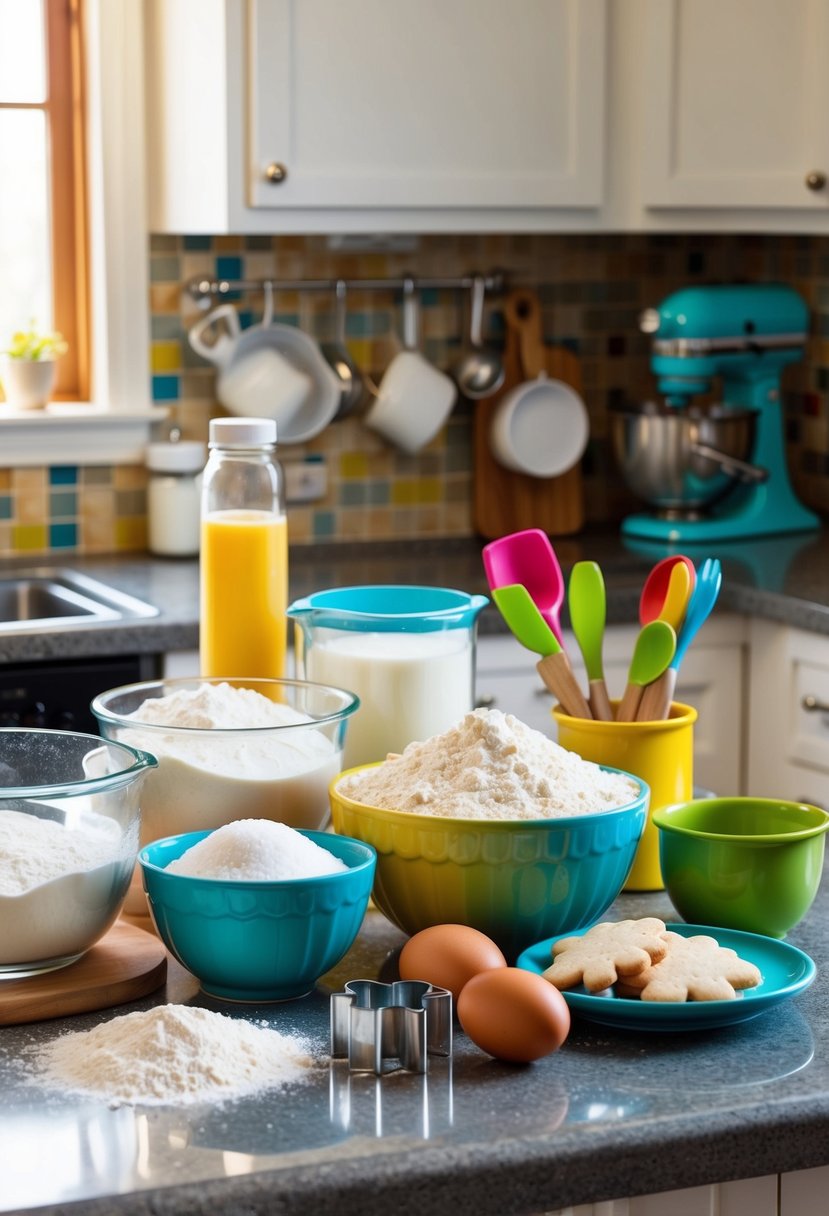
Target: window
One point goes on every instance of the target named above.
(108, 420)
(43, 254)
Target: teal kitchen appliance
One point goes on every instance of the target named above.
(715, 472)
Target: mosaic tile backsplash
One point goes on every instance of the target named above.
(592, 287)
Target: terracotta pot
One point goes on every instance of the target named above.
(28, 383)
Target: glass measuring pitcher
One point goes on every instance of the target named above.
(407, 652)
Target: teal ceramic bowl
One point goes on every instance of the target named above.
(258, 941)
(516, 880)
(742, 863)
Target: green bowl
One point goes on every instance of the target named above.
(742, 863)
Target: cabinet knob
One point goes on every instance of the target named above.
(813, 705)
(815, 180)
(276, 173)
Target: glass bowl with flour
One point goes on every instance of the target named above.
(69, 836)
(231, 749)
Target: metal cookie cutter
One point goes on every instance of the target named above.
(408, 1021)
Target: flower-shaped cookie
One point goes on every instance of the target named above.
(611, 949)
(695, 969)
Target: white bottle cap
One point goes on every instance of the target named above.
(242, 432)
(182, 457)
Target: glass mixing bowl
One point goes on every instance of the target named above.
(69, 834)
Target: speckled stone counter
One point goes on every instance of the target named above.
(612, 1114)
(784, 579)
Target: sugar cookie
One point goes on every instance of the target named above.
(694, 968)
(606, 951)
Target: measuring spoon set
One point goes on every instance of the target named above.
(528, 588)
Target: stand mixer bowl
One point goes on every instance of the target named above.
(662, 455)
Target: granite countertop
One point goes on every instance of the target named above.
(784, 579)
(612, 1114)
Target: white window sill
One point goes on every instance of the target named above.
(75, 433)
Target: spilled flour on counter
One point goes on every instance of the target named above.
(490, 766)
(172, 1055)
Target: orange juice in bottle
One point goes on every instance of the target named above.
(244, 553)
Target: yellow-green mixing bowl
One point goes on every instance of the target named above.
(517, 880)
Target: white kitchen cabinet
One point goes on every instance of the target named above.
(736, 104)
(711, 679)
(314, 115)
(407, 116)
(788, 743)
(803, 1192)
(179, 664)
(757, 1196)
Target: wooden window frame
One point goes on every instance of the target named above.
(65, 115)
(64, 111)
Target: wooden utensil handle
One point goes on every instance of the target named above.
(557, 674)
(522, 310)
(657, 697)
(629, 703)
(600, 701)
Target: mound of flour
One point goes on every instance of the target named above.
(217, 706)
(59, 885)
(34, 851)
(206, 777)
(256, 850)
(173, 1054)
(490, 766)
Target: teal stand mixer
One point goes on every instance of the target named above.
(719, 472)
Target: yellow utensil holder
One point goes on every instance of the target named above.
(660, 753)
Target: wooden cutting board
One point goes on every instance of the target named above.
(505, 501)
(126, 964)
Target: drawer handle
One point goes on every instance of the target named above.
(487, 701)
(813, 705)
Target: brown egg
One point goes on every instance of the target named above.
(514, 1015)
(448, 956)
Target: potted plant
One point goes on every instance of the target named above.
(30, 367)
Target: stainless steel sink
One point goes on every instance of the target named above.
(46, 598)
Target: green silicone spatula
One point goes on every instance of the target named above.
(529, 628)
(652, 654)
(587, 602)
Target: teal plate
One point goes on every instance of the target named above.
(786, 971)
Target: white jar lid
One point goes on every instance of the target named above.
(183, 457)
(242, 432)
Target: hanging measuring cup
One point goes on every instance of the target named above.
(407, 652)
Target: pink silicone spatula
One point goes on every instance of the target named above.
(529, 559)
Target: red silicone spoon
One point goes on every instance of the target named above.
(652, 599)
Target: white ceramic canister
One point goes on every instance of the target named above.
(174, 497)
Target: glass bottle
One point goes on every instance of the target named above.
(174, 497)
(244, 552)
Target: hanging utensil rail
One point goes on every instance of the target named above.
(203, 290)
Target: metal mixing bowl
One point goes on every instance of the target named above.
(659, 454)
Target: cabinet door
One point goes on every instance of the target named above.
(426, 103)
(737, 103)
(788, 753)
(710, 679)
(803, 1193)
